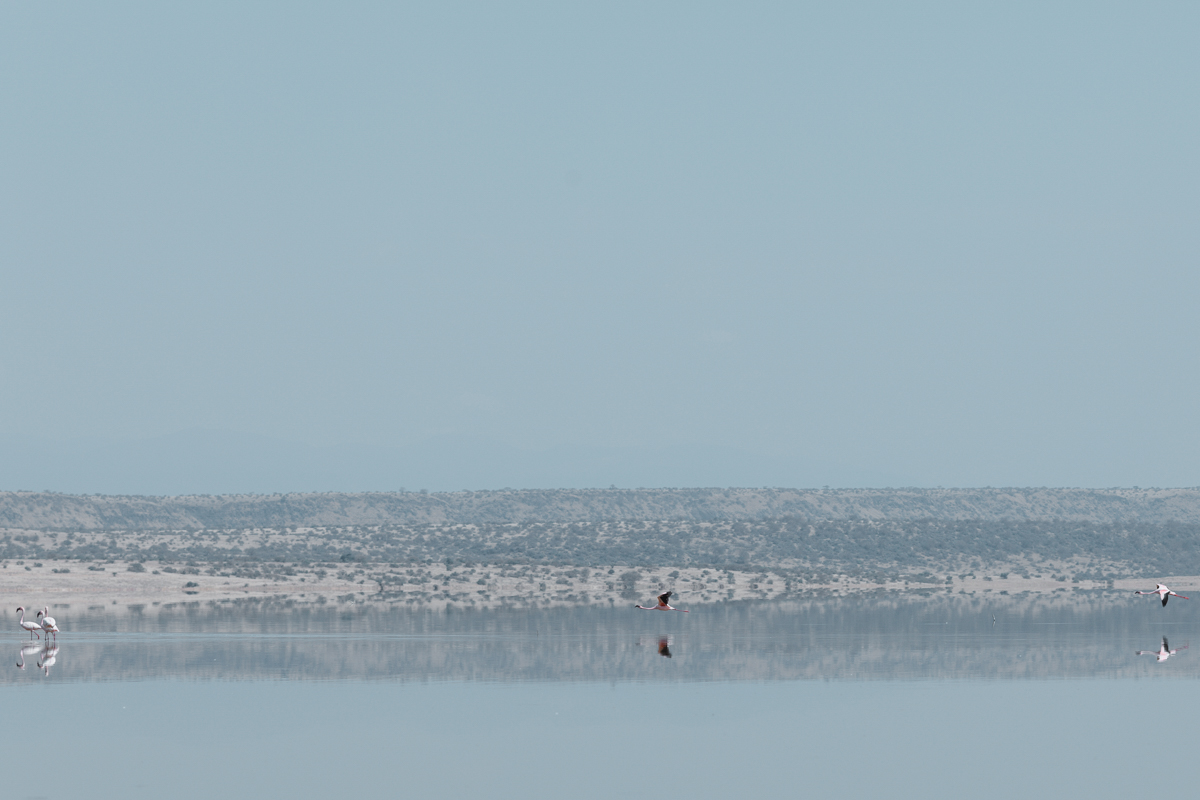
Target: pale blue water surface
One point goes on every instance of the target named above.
(869, 696)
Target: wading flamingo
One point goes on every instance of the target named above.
(662, 604)
(32, 627)
(48, 624)
(1164, 593)
(1163, 653)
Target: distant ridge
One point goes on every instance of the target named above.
(51, 511)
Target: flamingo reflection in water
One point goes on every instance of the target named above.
(49, 656)
(27, 650)
(661, 643)
(1162, 653)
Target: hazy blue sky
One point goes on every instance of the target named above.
(518, 244)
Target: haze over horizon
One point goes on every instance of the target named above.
(301, 247)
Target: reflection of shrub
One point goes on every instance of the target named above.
(629, 584)
(137, 567)
(191, 585)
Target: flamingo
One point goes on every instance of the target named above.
(27, 650)
(32, 627)
(48, 622)
(49, 656)
(1164, 593)
(662, 604)
(1163, 653)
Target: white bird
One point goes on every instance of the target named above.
(48, 622)
(1162, 653)
(32, 627)
(662, 604)
(1164, 593)
(49, 656)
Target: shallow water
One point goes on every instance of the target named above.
(880, 695)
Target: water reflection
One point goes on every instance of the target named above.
(27, 650)
(1163, 653)
(47, 655)
(853, 638)
(662, 644)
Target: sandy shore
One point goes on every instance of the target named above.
(66, 585)
(73, 585)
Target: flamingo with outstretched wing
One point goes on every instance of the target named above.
(662, 604)
(1164, 593)
(1163, 653)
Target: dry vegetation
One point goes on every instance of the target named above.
(484, 560)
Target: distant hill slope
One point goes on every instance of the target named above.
(49, 511)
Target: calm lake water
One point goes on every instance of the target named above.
(884, 696)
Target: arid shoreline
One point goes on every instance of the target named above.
(71, 584)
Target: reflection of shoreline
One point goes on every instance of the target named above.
(435, 586)
(852, 638)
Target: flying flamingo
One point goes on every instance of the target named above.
(1163, 653)
(32, 627)
(1164, 593)
(662, 604)
(48, 622)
